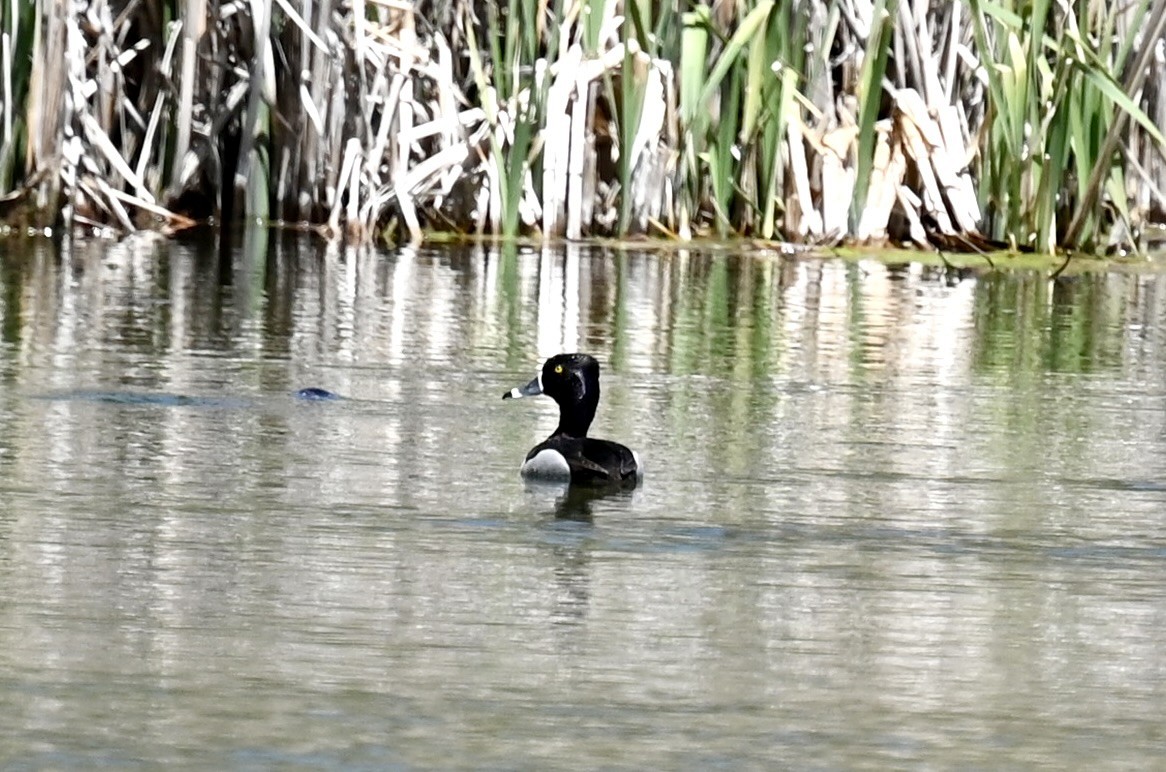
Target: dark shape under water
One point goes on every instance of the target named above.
(158, 399)
(313, 393)
(161, 399)
(572, 380)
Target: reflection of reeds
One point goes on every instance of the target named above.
(807, 121)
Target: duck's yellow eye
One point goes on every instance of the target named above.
(558, 368)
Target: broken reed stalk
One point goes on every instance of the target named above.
(955, 126)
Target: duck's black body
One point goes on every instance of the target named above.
(572, 380)
(589, 461)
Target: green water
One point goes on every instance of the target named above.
(890, 519)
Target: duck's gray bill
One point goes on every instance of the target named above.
(532, 389)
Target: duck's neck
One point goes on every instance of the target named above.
(575, 418)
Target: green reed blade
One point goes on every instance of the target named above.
(870, 90)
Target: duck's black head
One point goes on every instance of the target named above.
(572, 380)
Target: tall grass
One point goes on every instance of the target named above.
(963, 126)
(1049, 167)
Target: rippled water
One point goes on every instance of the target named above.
(889, 519)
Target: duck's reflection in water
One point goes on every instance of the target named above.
(576, 502)
(573, 539)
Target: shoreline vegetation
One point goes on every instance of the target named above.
(978, 126)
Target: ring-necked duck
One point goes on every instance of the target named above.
(572, 380)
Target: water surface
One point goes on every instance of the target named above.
(890, 519)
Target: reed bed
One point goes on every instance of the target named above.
(1031, 125)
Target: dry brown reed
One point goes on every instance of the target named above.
(953, 125)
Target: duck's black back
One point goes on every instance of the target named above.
(592, 461)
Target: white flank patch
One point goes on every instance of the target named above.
(547, 465)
